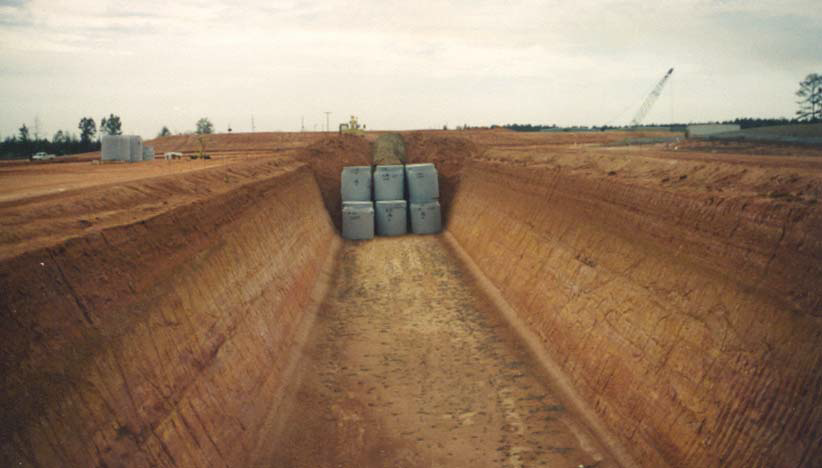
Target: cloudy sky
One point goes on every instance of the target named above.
(398, 65)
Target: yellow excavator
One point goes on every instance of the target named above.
(353, 127)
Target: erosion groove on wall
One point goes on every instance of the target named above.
(690, 326)
(160, 342)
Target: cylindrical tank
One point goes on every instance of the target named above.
(389, 183)
(355, 183)
(426, 217)
(391, 217)
(422, 182)
(358, 221)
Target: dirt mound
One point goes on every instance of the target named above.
(326, 158)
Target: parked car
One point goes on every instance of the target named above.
(42, 156)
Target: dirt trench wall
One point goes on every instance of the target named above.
(689, 322)
(159, 343)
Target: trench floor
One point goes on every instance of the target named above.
(409, 365)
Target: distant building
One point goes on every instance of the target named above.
(696, 130)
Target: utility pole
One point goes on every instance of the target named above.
(302, 123)
(253, 128)
(327, 124)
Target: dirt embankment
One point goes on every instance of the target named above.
(681, 297)
(160, 342)
(42, 207)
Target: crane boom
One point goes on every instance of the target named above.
(651, 99)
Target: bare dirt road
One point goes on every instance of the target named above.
(409, 365)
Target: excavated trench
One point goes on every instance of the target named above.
(567, 317)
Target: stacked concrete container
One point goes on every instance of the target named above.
(422, 182)
(391, 217)
(391, 207)
(358, 220)
(389, 214)
(389, 183)
(357, 209)
(355, 183)
(423, 196)
(426, 217)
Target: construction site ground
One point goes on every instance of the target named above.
(409, 365)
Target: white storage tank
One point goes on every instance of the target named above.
(423, 185)
(426, 217)
(115, 148)
(358, 221)
(391, 217)
(389, 183)
(355, 183)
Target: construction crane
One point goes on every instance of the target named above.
(650, 100)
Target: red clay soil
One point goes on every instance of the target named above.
(158, 336)
(409, 365)
(679, 293)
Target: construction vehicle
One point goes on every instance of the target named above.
(352, 127)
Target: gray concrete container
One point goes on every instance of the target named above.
(358, 221)
(115, 148)
(426, 217)
(135, 148)
(391, 217)
(389, 183)
(422, 182)
(355, 183)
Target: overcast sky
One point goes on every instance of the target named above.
(398, 65)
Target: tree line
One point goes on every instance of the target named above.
(24, 144)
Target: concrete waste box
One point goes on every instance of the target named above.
(115, 148)
(392, 219)
(423, 185)
(358, 221)
(389, 183)
(426, 217)
(355, 183)
(121, 148)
